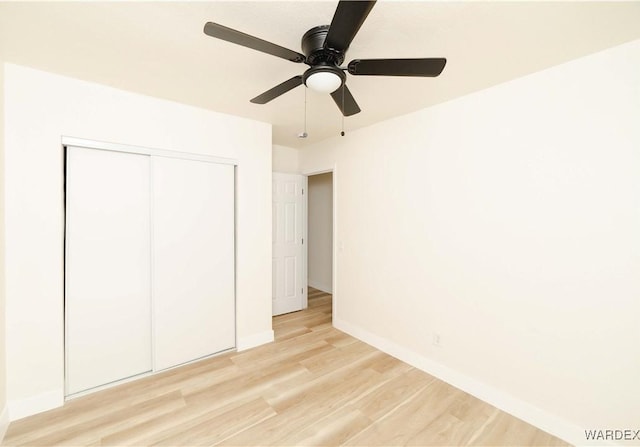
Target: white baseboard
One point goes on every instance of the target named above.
(254, 340)
(326, 288)
(4, 422)
(19, 409)
(550, 423)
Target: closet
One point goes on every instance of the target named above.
(149, 262)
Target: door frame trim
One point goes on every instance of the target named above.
(117, 147)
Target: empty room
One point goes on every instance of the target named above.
(319, 223)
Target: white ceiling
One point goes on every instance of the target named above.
(158, 48)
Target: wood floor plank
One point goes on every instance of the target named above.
(171, 424)
(90, 431)
(333, 429)
(505, 430)
(93, 406)
(401, 424)
(450, 426)
(336, 428)
(227, 424)
(315, 385)
(300, 409)
(392, 394)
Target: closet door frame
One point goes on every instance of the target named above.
(81, 143)
(116, 147)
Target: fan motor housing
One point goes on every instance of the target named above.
(313, 47)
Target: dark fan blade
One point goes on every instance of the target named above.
(233, 36)
(350, 105)
(278, 90)
(397, 67)
(347, 20)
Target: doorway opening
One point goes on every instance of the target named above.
(320, 232)
(304, 261)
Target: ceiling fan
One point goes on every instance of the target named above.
(324, 49)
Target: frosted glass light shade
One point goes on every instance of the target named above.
(323, 82)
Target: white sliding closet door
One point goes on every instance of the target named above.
(193, 260)
(108, 296)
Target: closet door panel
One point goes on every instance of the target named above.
(193, 260)
(107, 301)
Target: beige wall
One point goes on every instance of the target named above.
(505, 222)
(285, 159)
(320, 231)
(4, 416)
(40, 108)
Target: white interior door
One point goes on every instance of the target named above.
(289, 276)
(107, 300)
(193, 260)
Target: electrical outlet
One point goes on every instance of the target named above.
(436, 340)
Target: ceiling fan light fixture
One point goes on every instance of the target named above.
(324, 82)
(324, 78)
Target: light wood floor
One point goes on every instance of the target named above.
(314, 386)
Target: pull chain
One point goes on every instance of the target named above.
(304, 132)
(342, 132)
